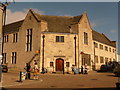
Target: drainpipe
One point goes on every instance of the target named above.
(75, 49)
(94, 58)
(43, 54)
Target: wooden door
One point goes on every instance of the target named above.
(59, 65)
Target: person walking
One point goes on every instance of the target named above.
(36, 71)
(28, 70)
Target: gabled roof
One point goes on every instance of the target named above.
(102, 38)
(12, 27)
(56, 23)
(59, 23)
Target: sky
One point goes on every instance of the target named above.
(103, 16)
(62, 0)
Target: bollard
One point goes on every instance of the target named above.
(117, 86)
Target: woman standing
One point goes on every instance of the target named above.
(36, 71)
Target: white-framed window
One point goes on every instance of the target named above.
(29, 40)
(14, 57)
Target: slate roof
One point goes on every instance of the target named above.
(60, 24)
(13, 27)
(102, 38)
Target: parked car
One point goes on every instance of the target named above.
(116, 70)
(4, 68)
(103, 68)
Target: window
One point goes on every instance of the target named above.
(51, 64)
(110, 49)
(96, 45)
(67, 64)
(106, 59)
(14, 57)
(4, 58)
(101, 59)
(113, 50)
(29, 40)
(86, 59)
(101, 46)
(59, 38)
(5, 38)
(110, 59)
(85, 38)
(15, 37)
(106, 48)
(96, 59)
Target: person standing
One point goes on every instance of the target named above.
(28, 70)
(72, 68)
(85, 69)
(36, 71)
(81, 69)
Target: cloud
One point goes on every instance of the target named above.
(15, 16)
(18, 15)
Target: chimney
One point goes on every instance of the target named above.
(44, 26)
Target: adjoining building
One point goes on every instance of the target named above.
(56, 42)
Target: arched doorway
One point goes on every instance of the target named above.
(59, 64)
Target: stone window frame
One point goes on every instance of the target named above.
(96, 45)
(15, 37)
(4, 58)
(29, 39)
(59, 38)
(101, 46)
(85, 38)
(106, 48)
(5, 38)
(101, 59)
(51, 64)
(14, 57)
(67, 64)
(110, 49)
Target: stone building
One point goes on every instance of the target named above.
(56, 43)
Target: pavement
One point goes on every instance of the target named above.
(91, 80)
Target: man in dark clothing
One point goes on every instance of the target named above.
(28, 70)
(81, 69)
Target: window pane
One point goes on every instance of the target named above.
(57, 38)
(51, 64)
(67, 64)
(62, 38)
